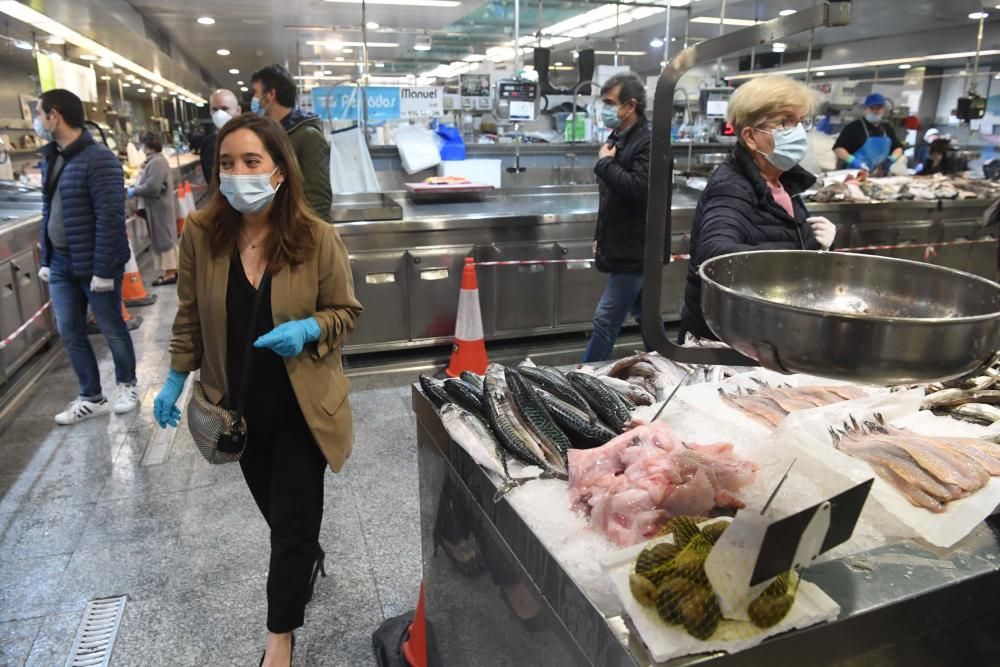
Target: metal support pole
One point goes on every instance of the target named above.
(517, 41)
(979, 48)
(809, 56)
(666, 38)
(722, 29)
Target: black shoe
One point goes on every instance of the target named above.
(318, 569)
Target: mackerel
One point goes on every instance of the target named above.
(475, 436)
(605, 402)
(434, 390)
(513, 435)
(539, 421)
(636, 394)
(474, 380)
(583, 430)
(556, 384)
(465, 395)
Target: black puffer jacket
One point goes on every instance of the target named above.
(621, 219)
(737, 213)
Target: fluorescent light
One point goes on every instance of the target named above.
(158, 89)
(105, 78)
(371, 25)
(223, 52)
(307, 77)
(44, 24)
(325, 63)
(871, 63)
(786, 12)
(337, 45)
(714, 20)
(978, 15)
(104, 62)
(820, 73)
(474, 58)
(234, 71)
(657, 43)
(380, 65)
(620, 53)
(206, 20)
(21, 44)
(558, 65)
(779, 47)
(347, 50)
(403, 3)
(141, 90)
(239, 83)
(244, 89)
(54, 41)
(89, 57)
(340, 59)
(905, 66)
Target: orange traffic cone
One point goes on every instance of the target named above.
(133, 291)
(181, 209)
(189, 199)
(469, 351)
(415, 646)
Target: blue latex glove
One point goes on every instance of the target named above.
(289, 338)
(165, 408)
(131, 191)
(856, 163)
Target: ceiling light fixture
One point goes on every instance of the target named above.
(559, 64)
(223, 52)
(126, 84)
(347, 50)
(244, 89)
(403, 3)
(239, 83)
(141, 90)
(337, 45)
(422, 43)
(158, 89)
(104, 62)
(54, 41)
(340, 59)
(619, 53)
(820, 73)
(905, 66)
(978, 15)
(23, 45)
(105, 78)
(326, 63)
(714, 20)
(234, 71)
(89, 57)
(380, 65)
(779, 47)
(657, 43)
(787, 12)
(49, 26)
(206, 20)
(871, 63)
(371, 25)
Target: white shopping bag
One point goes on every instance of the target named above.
(351, 168)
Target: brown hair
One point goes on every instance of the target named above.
(292, 239)
(151, 140)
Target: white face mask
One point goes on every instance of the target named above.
(220, 117)
(248, 193)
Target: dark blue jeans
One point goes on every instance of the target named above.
(623, 295)
(70, 297)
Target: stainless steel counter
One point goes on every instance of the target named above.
(407, 272)
(904, 604)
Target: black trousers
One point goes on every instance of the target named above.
(284, 467)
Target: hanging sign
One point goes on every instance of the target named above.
(384, 102)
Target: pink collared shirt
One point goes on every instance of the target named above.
(782, 197)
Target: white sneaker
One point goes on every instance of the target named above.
(81, 409)
(126, 399)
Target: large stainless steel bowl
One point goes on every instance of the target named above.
(855, 317)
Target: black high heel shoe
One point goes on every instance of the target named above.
(318, 569)
(291, 653)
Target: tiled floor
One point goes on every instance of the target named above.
(81, 517)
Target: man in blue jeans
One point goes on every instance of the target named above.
(84, 250)
(623, 178)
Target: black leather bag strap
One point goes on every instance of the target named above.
(248, 351)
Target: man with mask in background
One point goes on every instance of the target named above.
(84, 247)
(274, 93)
(619, 241)
(868, 143)
(224, 107)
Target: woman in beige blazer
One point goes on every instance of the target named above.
(258, 235)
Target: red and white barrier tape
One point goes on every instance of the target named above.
(20, 330)
(684, 256)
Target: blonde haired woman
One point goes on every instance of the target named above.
(752, 201)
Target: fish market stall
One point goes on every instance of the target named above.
(516, 572)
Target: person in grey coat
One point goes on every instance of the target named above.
(156, 190)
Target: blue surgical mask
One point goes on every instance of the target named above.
(790, 147)
(257, 108)
(39, 130)
(873, 118)
(609, 116)
(248, 193)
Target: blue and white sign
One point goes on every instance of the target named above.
(344, 102)
(384, 102)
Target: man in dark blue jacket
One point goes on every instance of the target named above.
(84, 251)
(623, 178)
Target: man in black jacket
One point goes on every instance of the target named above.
(623, 177)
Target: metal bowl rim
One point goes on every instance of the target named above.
(968, 319)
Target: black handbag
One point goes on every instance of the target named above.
(220, 434)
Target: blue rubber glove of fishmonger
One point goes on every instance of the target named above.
(130, 192)
(165, 409)
(289, 338)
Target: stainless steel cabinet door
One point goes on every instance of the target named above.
(380, 285)
(578, 285)
(10, 320)
(31, 295)
(435, 278)
(521, 297)
(955, 256)
(983, 256)
(879, 233)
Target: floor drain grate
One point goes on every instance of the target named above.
(96, 637)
